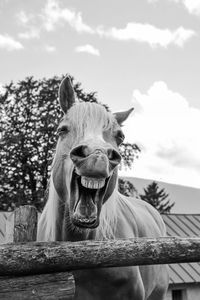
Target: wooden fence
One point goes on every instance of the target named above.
(41, 285)
(33, 270)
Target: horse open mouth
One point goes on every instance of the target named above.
(87, 197)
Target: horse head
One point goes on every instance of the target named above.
(87, 156)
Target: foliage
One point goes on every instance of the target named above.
(29, 116)
(157, 198)
(126, 188)
(129, 152)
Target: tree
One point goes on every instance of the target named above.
(158, 198)
(129, 152)
(29, 116)
(126, 188)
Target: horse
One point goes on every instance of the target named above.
(84, 203)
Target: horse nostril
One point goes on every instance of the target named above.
(114, 156)
(79, 153)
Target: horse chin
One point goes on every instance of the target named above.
(87, 196)
(85, 224)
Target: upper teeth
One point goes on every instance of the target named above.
(92, 183)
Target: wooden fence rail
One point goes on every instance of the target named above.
(48, 257)
(44, 266)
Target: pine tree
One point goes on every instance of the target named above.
(157, 197)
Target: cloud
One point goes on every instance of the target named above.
(31, 25)
(24, 18)
(49, 48)
(49, 19)
(192, 6)
(88, 49)
(54, 15)
(32, 33)
(9, 43)
(146, 33)
(166, 128)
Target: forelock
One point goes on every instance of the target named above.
(90, 117)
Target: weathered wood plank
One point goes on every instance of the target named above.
(37, 258)
(57, 286)
(25, 224)
(9, 227)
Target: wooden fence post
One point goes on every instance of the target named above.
(57, 286)
(25, 224)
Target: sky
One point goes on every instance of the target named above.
(142, 54)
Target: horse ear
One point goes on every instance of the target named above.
(122, 116)
(66, 94)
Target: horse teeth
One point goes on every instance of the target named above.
(92, 183)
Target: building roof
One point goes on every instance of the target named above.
(183, 226)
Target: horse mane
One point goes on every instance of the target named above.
(88, 117)
(49, 217)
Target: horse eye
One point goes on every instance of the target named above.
(63, 130)
(120, 137)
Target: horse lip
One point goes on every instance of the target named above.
(86, 223)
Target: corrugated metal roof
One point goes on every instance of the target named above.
(183, 226)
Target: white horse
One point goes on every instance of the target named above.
(84, 202)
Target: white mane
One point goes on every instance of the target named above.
(48, 219)
(87, 117)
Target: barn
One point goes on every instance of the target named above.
(184, 278)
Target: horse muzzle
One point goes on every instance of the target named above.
(98, 163)
(93, 169)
